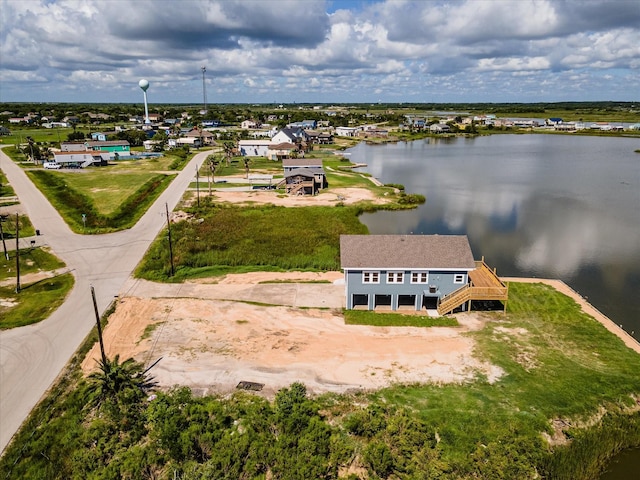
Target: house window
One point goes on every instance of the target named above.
(370, 277)
(458, 278)
(419, 277)
(395, 277)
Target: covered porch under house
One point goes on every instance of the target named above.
(483, 285)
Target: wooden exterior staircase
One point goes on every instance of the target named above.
(299, 188)
(484, 284)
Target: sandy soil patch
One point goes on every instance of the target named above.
(211, 344)
(347, 196)
(266, 277)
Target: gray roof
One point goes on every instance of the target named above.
(405, 251)
(305, 172)
(302, 162)
(107, 143)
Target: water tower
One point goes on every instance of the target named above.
(143, 84)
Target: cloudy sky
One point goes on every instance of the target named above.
(324, 51)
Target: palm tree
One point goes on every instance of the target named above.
(246, 167)
(228, 150)
(115, 380)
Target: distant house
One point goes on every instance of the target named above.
(4, 130)
(73, 146)
(440, 128)
(321, 138)
(289, 164)
(565, 127)
(303, 176)
(121, 147)
(553, 121)
(415, 272)
(81, 159)
(347, 131)
(254, 148)
(99, 136)
(302, 181)
(250, 125)
(194, 142)
(290, 135)
(281, 151)
(206, 137)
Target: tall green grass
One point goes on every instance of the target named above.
(227, 238)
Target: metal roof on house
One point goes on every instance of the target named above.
(406, 251)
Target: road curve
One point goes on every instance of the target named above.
(31, 357)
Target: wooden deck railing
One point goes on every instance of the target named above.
(491, 288)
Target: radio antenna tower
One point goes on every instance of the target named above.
(204, 89)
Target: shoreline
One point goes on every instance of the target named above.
(586, 307)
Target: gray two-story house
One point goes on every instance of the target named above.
(403, 271)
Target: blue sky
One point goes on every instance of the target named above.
(283, 51)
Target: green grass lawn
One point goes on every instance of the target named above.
(379, 319)
(5, 188)
(50, 135)
(35, 302)
(111, 201)
(558, 363)
(31, 260)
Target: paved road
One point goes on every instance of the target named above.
(31, 357)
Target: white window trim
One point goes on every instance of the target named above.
(459, 278)
(370, 274)
(421, 279)
(395, 278)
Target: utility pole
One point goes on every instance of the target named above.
(170, 246)
(4, 245)
(198, 185)
(204, 90)
(17, 256)
(95, 309)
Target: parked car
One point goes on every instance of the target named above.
(51, 165)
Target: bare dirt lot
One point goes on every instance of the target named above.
(210, 338)
(347, 196)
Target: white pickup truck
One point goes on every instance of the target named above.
(51, 165)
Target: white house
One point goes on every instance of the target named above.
(347, 131)
(82, 159)
(250, 125)
(439, 128)
(254, 148)
(189, 141)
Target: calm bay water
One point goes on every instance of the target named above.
(545, 206)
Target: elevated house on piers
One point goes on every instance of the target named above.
(415, 272)
(303, 176)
